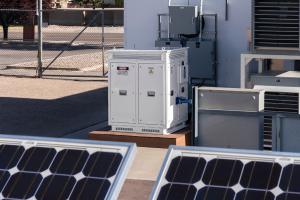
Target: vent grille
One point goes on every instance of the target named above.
(282, 102)
(124, 129)
(150, 130)
(267, 138)
(276, 24)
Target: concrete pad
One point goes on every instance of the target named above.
(136, 190)
(147, 164)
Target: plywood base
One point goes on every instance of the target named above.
(180, 138)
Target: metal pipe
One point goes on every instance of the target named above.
(226, 10)
(103, 40)
(40, 38)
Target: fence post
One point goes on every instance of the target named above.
(40, 38)
(103, 48)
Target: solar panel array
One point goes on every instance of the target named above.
(205, 174)
(49, 170)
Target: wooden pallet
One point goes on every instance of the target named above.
(180, 138)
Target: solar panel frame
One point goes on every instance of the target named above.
(127, 150)
(283, 158)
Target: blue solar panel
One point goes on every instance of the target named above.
(48, 169)
(218, 174)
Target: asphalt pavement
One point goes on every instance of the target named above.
(70, 109)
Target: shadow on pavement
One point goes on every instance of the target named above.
(53, 118)
(47, 46)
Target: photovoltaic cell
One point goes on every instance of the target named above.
(56, 187)
(4, 176)
(185, 170)
(290, 180)
(255, 194)
(22, 185)
(91, 188)
(69, 161)
(36, 159)
(261, 175)
(10, 155)
(209, 174)
(177, 192)
(107, 162)
(62, 169)
(213, 193)
(220, 172)
(288, 196)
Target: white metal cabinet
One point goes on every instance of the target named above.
(144, 85)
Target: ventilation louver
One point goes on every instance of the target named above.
(276, 24)
(282, 102)
(267, 138)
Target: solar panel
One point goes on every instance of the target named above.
(196, 173)
(47, 169)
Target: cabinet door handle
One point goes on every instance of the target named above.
(123, 92)
(151, 94)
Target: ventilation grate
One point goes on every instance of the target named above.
(282, 102)
(150, 130)
(124, 129)
(267, 138)
(276, 24)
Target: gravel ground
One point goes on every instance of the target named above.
(82, 62)
(72, 29)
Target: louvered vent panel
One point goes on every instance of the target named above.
(282, 102)
(276, 24)
(267, 140)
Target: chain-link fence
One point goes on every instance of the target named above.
(74, 41)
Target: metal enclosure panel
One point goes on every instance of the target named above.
(289, 135)
(122, 92)
(151, 91)
(275, 81)
(230, 99)
(228, 131)
(183, 20)
(201, 59)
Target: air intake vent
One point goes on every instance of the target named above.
(282, 102)
(124, 129)
(276, 24)
(267, 140)
(150, 130)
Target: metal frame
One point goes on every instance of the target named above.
(285, 158)
(128, 151)
(246, 58)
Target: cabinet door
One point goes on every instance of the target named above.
(122, 93)
(151, 87)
